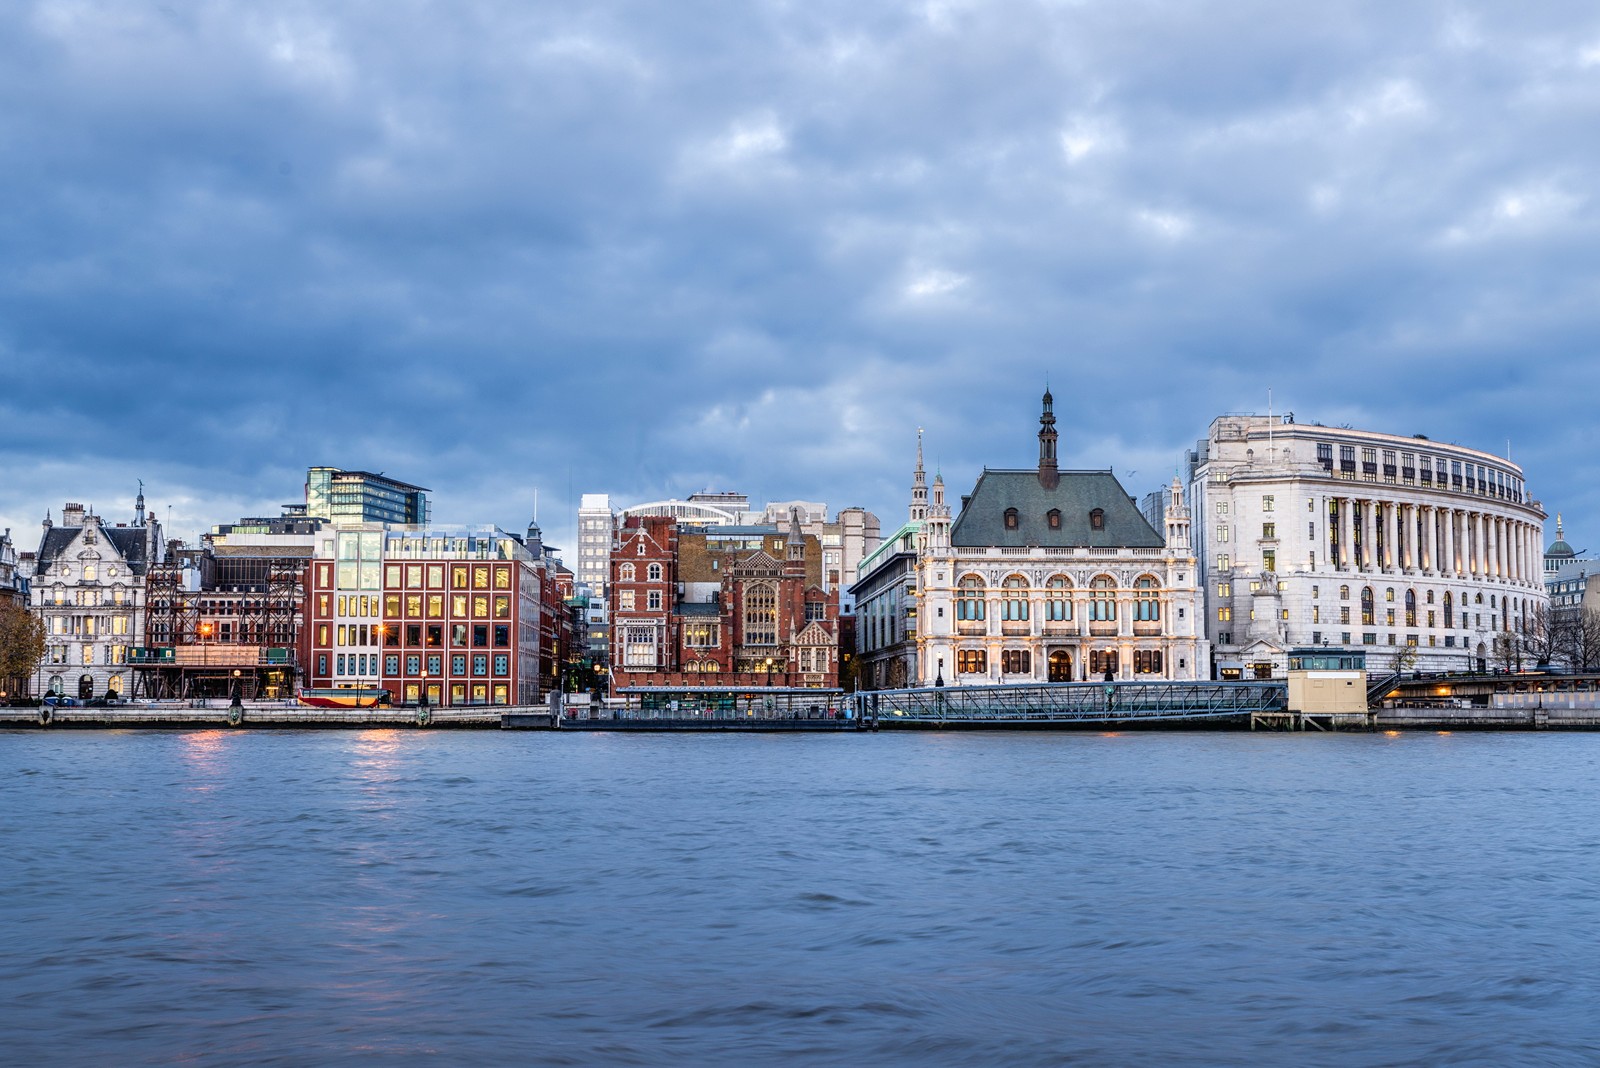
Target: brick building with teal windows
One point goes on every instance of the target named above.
(453, 615)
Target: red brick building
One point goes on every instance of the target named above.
(456, 615)
(720, 606)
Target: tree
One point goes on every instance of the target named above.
(1580, 646)
(1543, 633)
(1507, 652)
(1405, 658)
(21, 647)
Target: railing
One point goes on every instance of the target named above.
(1073, 702)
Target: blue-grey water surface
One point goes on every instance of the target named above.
(433, 897)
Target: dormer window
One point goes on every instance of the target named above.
(1011, 519)
(1097, 519)
(1053, 518)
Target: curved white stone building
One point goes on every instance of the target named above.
(1428, 555)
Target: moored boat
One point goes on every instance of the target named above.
(344, 697)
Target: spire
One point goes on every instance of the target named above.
(1177, 517)
(1049, 475)
(796, 541)
(919, 486)
(47, 523)
(1559, 535)
(138, 506)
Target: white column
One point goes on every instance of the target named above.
(1408, 523)
(1452, 542)
(1424, 557)
(1344, 532)
(1391, 541)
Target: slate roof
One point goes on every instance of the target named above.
(982, 519)
(697, 608)
(129, 542)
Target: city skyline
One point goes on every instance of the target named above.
(519, 250)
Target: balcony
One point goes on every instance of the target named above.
(1015, 628)
(971, 627)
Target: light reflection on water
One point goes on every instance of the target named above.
(262, 897)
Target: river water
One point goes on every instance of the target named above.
(417, 897)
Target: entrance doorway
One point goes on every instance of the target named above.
(1060, 666)
(85, 687)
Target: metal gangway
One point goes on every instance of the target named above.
(1070, 703)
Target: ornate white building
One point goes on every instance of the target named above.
(1423, 553)
(89, 586)
(1050, 575)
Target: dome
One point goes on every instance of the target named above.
(1559, 548)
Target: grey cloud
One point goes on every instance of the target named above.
(626, 247)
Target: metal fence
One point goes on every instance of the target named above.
(1072, 702)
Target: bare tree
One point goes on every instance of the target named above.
(1542, 635)
(1507, 652)
(1580, 645)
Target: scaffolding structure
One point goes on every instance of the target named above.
(219, 624)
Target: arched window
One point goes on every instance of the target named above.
(1097, 519)
(760, 614)
(1011, 519)
(1388, 595)
(625, 573)
(1053, 518)
(1147, 599)
(969, 598)
(653, 573)
(1366, 605)
(1058, 599)
(1103, 599)
(1015, 605)
(1411, 608)
(1344, 593)
(1449, 611)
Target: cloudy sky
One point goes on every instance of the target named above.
(647, 248)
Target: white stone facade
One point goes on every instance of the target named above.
(1074, 611)
(89, 587)
(1422, 553)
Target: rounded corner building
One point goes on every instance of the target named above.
(1427, 555)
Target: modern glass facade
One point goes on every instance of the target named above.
(363, 497)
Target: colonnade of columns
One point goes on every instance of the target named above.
(1435, 539)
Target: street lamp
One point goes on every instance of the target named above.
(769, 672)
